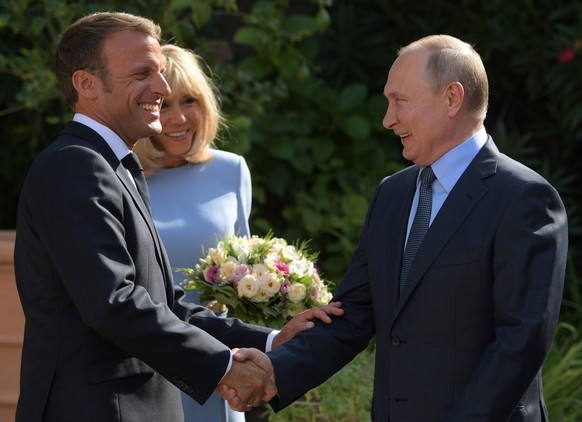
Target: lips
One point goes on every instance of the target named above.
(153, 108)
(176, 134)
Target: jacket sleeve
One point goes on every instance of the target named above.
(316, 354)
(529, 266)
(108, 275)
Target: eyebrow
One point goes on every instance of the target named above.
(393, 94)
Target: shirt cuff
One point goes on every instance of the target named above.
(270, 338)
(268, 348)
(227, 368)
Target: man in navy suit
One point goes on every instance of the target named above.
(106, 332)
(463, 335)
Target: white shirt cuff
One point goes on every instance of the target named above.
(270, 338)
(268, 348)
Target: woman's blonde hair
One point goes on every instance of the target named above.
(184, 71)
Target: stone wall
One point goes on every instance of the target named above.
(11, 329)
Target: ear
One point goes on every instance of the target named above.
(86, 84)
(455, 96)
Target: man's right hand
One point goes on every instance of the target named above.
(250, 381)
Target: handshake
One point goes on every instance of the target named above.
(251, 379)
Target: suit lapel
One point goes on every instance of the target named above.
(125, 179)
(466, 194)
(387, 231)
(100, 145)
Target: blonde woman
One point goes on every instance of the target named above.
(198, 193)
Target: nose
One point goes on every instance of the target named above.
(175, 114)
(389, 119)
(162, 88)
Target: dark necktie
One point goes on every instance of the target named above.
(131, 163)
(419, 225)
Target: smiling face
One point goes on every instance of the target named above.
(129, 100)
(418, 115)
(180, 119)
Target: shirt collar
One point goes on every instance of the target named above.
(449, 168)
(116, 144)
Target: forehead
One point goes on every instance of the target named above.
(406, 73)
(131, 49)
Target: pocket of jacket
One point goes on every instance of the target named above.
(459, 257)
(112, 369)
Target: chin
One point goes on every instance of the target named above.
(156, 127)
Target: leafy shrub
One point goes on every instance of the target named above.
(301, 85)
(345, 397)
(562, 373)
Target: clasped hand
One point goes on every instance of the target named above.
(251, 379)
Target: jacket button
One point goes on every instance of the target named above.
(395, 341)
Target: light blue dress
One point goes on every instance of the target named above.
(193, 206)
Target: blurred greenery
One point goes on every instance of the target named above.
(301, 84)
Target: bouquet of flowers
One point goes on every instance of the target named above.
(262, 281)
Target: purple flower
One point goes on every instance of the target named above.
(211, 274)
(285, 286)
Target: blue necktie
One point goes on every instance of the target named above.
(131, 163)
(419, 225)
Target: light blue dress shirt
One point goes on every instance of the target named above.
(448, 170)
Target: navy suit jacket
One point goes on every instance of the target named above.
(105, 326)
(467, 338)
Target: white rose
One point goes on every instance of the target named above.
(289, 253)
(270, 284)
(217, 255)
(302, 267)
(325, 298)
(248, 286)
(260, 270)
(296, 292)
(241, 248)
(227, 269)
(277, 244)
(270, 260)
(317, 283)
(261, 296)
(255, 242)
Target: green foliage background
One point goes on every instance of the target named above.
(301, 85)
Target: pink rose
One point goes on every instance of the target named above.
(239, 272)
(282, 268)
(566, 55)
(211, 274)
(314, 294)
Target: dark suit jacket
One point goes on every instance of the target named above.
(105, 325)
(466, 340)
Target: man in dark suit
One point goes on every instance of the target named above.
(460, 336)
(105, 327)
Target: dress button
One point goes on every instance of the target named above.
(395, 341)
